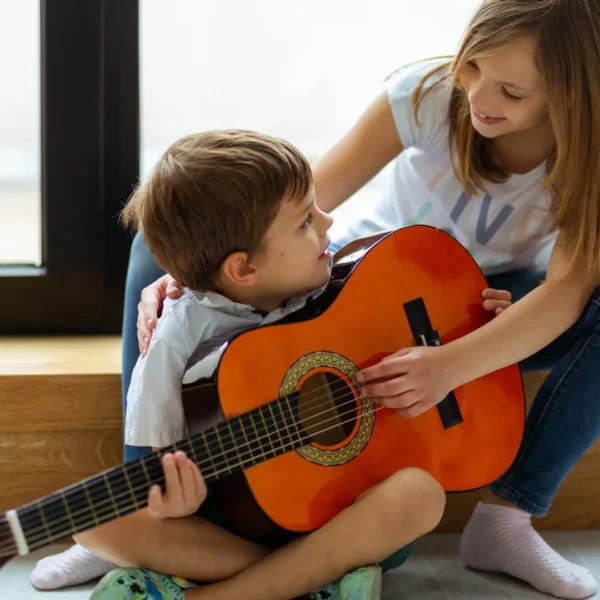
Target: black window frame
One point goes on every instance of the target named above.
(90, 136)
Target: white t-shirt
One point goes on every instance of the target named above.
(505, 229)
(186, 345)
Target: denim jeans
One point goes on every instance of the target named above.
(142, 271)
(564, 420)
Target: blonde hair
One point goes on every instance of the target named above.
(568, 56)
(212, 194)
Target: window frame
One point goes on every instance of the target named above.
(90, 148)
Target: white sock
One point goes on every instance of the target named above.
(503, 540)
(71, 567)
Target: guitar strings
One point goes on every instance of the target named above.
(237, 444)
(208, 474)
(32, 505)
(38, 543)
(271, 420)
(227, 467)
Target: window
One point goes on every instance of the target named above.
(20, 196)
(71, 132)
(69, 158)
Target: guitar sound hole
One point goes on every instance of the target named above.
(327, 408)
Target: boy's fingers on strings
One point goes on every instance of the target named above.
(156, 503)
(199, 483)
(188, 483)
(174, 492)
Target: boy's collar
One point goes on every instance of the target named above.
(224, 304)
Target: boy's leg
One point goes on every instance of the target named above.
(387, 517)
(191, 547)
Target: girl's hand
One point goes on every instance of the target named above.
(411, 380)
(150, 307)
(185, 489)
(496, 300)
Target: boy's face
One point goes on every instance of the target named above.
(294, 258)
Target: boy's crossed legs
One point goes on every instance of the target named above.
(383, 519)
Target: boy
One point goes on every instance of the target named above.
(232, 216)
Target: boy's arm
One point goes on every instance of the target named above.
(155, 415)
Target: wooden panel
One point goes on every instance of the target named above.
(56, 430)
(60, 355)
(36, 463)
(60, 402)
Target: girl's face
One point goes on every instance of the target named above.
(505, 90)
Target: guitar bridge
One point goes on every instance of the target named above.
(425, 335)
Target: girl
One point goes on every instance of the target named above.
(500, 147)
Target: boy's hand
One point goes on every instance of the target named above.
(496, 300)
(150, 307)
(185, 489)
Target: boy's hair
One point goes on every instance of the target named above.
(568, 57)
(212, 194)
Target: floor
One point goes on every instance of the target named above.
(434, 572)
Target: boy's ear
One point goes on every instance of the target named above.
(238, 269)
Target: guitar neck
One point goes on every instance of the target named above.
(229, 447)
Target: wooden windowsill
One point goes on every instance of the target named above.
(69, 355)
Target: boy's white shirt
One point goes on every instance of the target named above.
(186, 345)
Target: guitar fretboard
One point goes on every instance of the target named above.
(233, 445)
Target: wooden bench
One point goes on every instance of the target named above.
(60, 421)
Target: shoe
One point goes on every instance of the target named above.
(140, 584)
(360, 584)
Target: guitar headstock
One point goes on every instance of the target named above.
(8, 547)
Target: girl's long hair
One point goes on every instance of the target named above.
(568, 57)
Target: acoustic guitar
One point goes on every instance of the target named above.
(282, 434)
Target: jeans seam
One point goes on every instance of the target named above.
(535, 433)
(590, 314)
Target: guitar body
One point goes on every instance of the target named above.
(356, 443)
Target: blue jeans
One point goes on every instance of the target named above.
(564, 420)
(142, 271)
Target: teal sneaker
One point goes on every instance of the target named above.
(360, 584)
(329, 592)
(140, 584)
(397, 559)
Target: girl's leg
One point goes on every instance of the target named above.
(564, 421)
(77, 565)
(141, 272)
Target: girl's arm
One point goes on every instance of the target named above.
(368, 147)
(528, 326)
(419, 378)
